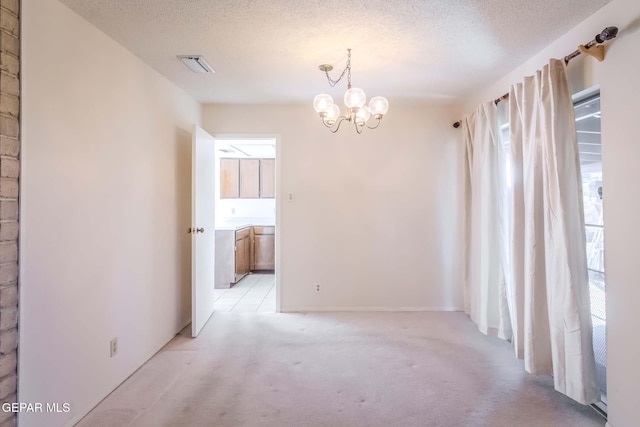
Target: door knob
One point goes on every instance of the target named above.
(200, 230)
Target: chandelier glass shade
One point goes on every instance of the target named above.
(355, 100)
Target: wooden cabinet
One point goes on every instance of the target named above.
(239, 252)
(267, 178)
(247, 178)
(264, 248)
(229, 178)
(244, 252)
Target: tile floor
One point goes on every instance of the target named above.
(254, 293)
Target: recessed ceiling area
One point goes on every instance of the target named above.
(246, 148)
(268, 51)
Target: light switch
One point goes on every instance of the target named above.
(291, 197)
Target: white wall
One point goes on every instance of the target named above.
(374, 217)
(245, 208)
(105, 193)
(618, 77)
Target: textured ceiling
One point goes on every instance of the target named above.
(268, 51)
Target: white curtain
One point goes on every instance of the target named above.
(549, 289)
(485, 289)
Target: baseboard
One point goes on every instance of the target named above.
(186, 323)
(364, 309)
(88, 408)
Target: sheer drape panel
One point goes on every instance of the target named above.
(485, 292)
(549, 294)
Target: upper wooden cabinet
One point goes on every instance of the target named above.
(229, 178)
(267, 178)
(247, 178)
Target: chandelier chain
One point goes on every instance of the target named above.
(347, 71)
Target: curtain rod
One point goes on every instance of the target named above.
(593, 48)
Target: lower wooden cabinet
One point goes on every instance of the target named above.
(242, 251)
(264, 248)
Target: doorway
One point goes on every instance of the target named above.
(246, 217)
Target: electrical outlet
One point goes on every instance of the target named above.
(317, 288)
(113, 347)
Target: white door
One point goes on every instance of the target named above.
(202, 229)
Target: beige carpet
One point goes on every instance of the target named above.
(338, 369)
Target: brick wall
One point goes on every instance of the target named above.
(9, 174)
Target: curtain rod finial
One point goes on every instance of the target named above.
(607, 34)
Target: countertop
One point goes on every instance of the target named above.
(232, 224)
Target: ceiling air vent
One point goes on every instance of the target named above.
(196, 63)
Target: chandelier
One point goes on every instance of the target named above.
(354, 100)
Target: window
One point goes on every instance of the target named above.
(587, 112)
